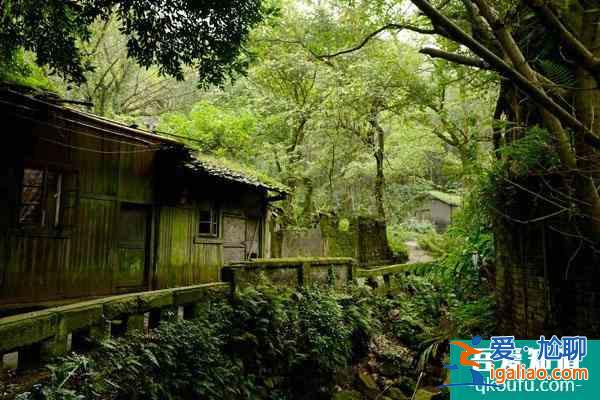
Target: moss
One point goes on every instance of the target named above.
(155, 299)
(340, 243)
(27, 329)
(399, 250)
(221, 166)
(23, 71)
(448, 198)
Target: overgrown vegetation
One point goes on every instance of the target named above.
(269, 343)
(278, 343)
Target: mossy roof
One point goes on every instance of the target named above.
(232, 171)
(210, 165)
(448, 198)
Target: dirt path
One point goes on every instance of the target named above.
(415, 253)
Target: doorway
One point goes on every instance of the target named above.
(133, 246)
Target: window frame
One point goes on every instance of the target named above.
(57, 227)
(215, 222)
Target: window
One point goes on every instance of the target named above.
(209, 222)
(47, 197)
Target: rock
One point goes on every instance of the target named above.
(347, 395)
(367, 385)
(424, 395)
(367, 381)
(396, 394)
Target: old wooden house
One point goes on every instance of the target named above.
(91, 207)
(438, 208)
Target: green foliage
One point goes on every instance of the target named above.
(344, 225)
(529, 154)
(169, 34)
(433, 243)
(21, 70)
(558, 73)
(179, 359)
(213, 129)
(396, 238)
(269, 343)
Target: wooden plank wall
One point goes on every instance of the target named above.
(82, 261)
(185, 258)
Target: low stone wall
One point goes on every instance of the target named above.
(298, 243)
(362, 238)
(296, 271)
(379, 278)
(40, 335)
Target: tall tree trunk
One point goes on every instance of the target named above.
(293, 157)
(546, 220)
(379, 154)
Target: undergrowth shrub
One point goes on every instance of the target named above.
(269, 343)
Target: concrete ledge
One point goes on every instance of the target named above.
(118, 306)
(193, 294)
(27, 329)
(387, 270)
(77, 316)
(155, 299)
(20, 331)
(293, 261)
(296, 271)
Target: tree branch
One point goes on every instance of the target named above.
(590, 62)
(538, 95)
(456, 58)
(371, 35)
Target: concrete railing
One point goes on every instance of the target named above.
(379, 278)
(296, 271)
(40, 335)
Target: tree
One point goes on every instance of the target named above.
(543, 186)
(118, 87)
(171, 34)
(215, 130)
(339, 132)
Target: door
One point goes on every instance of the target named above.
(241, 238)
(234, 238)
(133, 246)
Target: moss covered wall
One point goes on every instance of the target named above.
(361, 238)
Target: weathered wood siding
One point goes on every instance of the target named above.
(82, 259)
(184, 257)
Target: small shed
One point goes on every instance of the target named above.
(91, 207)
(438, 208)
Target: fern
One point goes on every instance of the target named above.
(557, 73)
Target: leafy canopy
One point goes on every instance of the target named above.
(168, 33)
